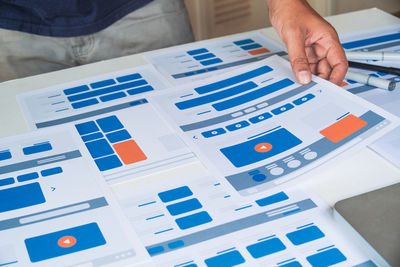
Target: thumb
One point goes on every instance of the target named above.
(297, 56)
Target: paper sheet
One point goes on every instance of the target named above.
(112, 128)
(379, 39)
(257, 127)
(194, 220)
(55, 208)
(203, 59)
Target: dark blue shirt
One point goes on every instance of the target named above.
(64, 18)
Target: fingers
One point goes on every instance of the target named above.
(338, 62)
(297, 55)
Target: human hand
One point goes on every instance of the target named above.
(312, 43)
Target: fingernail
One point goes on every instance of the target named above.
(304, 77)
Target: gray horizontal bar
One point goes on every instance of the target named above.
(16, 222)
(234, 226)
(227, 117)
(39, 162)
(90, 113)
(232, 64)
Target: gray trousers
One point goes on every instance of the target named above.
(161, 23)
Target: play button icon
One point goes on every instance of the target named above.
(263, 147)
(66, 241)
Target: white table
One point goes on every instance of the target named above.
(347, 176)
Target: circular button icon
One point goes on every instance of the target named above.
(263, 147)
(66, 241)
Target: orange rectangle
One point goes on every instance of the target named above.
(129, 152)
(343, 83)
(259, 51)
(343, 128)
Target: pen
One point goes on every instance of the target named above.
(395, 56)
(371, 80)
(365, 66)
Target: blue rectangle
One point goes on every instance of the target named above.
(210, 61)
(214, 132)
(282, 109)
(37, 148)
(87, 127)
(371, 41)
(265, 248)
(7, 181)
(303, 99)
(155, 250)
(99, 148)
(244, 153)
(237, 126)
(118, 136)
(184, 206)
(108, 163)
(92, 136)
(243, 42)
(78, 89)
(110, 97)
(21, 197)
(176, 244)
(194, 102)
(129, 77)
(197, 51)
(326, 258)
(5, 155)
(231, 258)
(174, 194)
(305, 235)
(109, 124)
(85, 103)
(193, 220)
(140, 90)
(102, 83)
(250, 47)
(51, 171)
(47, 246)
(27, 177)
(204, 56)
(278, 197)
(233, 80)
(261, 117)
(253, 95)
(108, 90)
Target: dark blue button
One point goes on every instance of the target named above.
(76, 239)
(197, 51)
(237, 126)
(109, 124)
(303, 99)
(111, 97)
(118, 136)
(210, 61)
(77, 89)
(129, 77)
(5, 155)
(85, 103)
(174, 194)
(259, 177)
(87, 127)
(184, 206)
(282, 109)
(204, 56)
(251, 46)
(140, 90)
(155, 250)
(102, 83)
(231, 258)
(176, 244)
(37, 148)
(214, 132)
(260, 117)
(6, 181)
(27, 177)
(243, 42)
(108, 163)
(52, 171)
(99, 148)
(193, 220)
